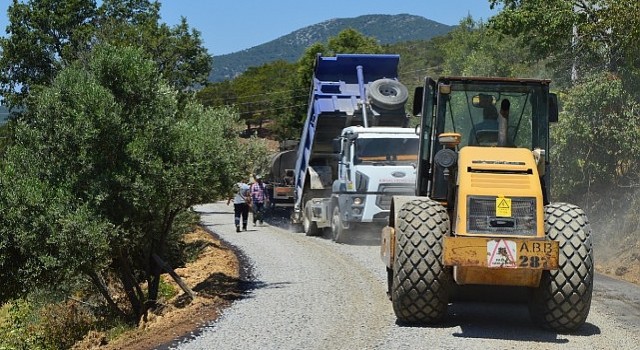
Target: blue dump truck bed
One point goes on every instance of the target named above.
(343, 67)
(339, 98)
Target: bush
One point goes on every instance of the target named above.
(51, 326)
(594, 142)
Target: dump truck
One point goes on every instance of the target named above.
(481, 218)
(355, 149)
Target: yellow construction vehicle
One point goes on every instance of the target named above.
(481, 216)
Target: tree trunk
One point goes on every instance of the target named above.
(153, 282)
(98, 282)
(174, 275)
(129, 285)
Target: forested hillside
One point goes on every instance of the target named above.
(386, 29)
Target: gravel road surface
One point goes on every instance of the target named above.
(311, 293)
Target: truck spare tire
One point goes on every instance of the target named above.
(387, 93)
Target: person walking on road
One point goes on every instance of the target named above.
(259, 199)
(241, 202)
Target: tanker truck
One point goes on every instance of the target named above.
(356, 150)
(281, 175)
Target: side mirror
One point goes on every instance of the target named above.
(553, 108)
(336, 143)
(418, 96)
(351, 136)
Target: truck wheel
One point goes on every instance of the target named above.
(387, 93)
(421, 284)
(309, 226)
(563, 299)
(338, 231)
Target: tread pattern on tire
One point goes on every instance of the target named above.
(338, 233)
(310, 227)
(420, 283)
(563, 299)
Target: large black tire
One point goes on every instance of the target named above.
(338, 231)
(420, 284)
(387, 94)
(563, 299)
(296, 228)
(309, 226)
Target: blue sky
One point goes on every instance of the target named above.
(233, 25)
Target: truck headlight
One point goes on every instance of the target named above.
(357, 201)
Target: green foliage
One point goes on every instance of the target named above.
(124, 160)
(352, 41)
(217, 94)
(595, 140)
(580, 37)
(48, 35)
(260, 94)
(473, 49)
(35, 51)
(418, 59)
(278, 91)
(256, 157)
(166, 291)
(28, 325)
(192, 250)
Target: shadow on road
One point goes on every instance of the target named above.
(504, 321)
(362, 235)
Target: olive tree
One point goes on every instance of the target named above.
(45, 36)
(100, 171)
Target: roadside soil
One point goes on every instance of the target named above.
(623, 264)
(214, 276)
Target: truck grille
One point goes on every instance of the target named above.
(483, 220)
(482, 180)
(383, 201)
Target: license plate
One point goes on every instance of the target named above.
(501, 252)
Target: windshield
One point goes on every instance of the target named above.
(386, 150)
(472, 110)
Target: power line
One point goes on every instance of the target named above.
(295, 96)
(264, 94)
(231, 98)
(271, 109)
(261, 101)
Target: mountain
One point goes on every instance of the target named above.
(388, 29)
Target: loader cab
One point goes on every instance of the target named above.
(470, 107)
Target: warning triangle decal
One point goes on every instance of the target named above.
(501, 253)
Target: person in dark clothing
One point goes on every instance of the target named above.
(241, 201)
(486, 132)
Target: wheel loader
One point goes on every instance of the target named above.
(481, 215)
